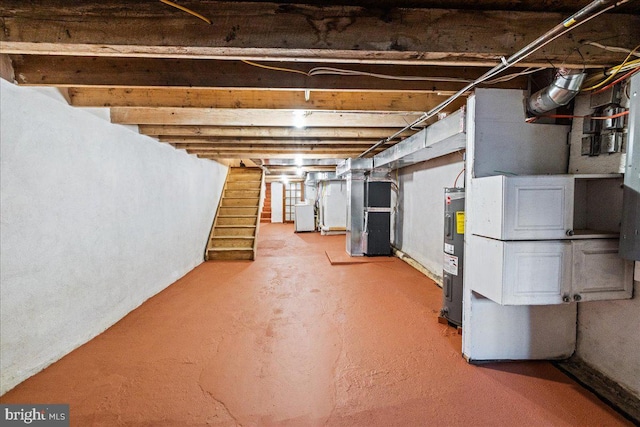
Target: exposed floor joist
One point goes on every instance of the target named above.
(184, 82)
(204, 131)
(283, 155)
(185, 73)
(254, 117)
(250, 143)
(245, 98)
(271, 31)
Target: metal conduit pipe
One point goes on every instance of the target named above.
(585, 14)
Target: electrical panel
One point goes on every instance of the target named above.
(604, 130)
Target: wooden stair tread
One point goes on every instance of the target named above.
(234, 237)
(237, 216)
(231, 249)
(236, 226)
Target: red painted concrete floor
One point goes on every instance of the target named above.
(289, 340)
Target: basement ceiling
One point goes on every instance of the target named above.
(290, 82)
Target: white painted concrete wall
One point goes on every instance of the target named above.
(419, 221)
(277, 193)
(609, 338)
(95, 219)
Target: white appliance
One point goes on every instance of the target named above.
(304, 218)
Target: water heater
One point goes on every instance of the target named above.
(453, 255)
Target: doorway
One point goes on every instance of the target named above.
(293, 193)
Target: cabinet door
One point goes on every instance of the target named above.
(536, 272)
(538, 207)
(518, 273)
(598, 271)
(522, 207)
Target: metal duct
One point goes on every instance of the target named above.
(315, 177)
(565, 87)
(441, 138)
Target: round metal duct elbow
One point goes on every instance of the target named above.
(564, 88)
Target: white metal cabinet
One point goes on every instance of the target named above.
(544, 237)
(523, 207)
(599, 273)
(549, 271)
(521, 272)
(536, 207)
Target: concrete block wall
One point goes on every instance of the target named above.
(95, 219)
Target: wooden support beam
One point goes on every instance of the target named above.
(256, 117)
(259, 155)
(279, 147)
(6, 68)
(274, 170)
(276, 155)
(249, 142)
(273, 31)
(169, 131)
(184, 73)
(271, 99)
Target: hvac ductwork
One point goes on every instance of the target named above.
(564, 88)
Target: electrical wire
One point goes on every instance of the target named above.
(189, 11)
(611, 48)
(269, 67)
(613, 74)
(615, 82)
(320, 71)
(455, 184)
(595, 78)
(508, 77)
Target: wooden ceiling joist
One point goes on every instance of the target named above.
(242, 98)
(167, 131)
(219, 142)
(288, 32)
(256, 117)
(274, 155)
(284, 148)
(293, 148)
(69, 71)
(189, 84)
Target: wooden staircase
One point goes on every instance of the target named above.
(266, 208)
(235, 229)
